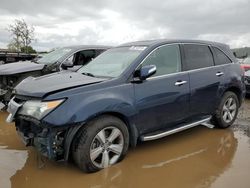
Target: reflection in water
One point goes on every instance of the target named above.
(10, 162)
(174, 157)
(194, 158)
(13, 156)
(225, 145)
(174, 160)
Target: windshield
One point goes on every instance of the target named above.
(53, 56)
(112, 62)
(247, 61)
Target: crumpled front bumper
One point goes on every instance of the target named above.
(46, 140)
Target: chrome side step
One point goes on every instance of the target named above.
(179, 129)
(208, 125)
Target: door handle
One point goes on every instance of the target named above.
(179, 83)
(219, 73)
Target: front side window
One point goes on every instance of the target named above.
(197, 56)
(167, 60)
(113, 62)
(221, 58)
(84, 57)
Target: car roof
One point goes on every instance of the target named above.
(155, 43)
(76, 47)
(166, 41)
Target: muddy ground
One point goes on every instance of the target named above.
(196, 158)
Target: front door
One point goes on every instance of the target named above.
(163, 99)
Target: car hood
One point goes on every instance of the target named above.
(19, 67)
(41, 86)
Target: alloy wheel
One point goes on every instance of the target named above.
(229, 110)
(106, 147)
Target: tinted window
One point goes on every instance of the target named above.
(82, 57)
(166, 59)
(221, 58)
(197, 56)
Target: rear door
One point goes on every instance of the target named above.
(160, 100)
(205, 79)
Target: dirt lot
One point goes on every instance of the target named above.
(197, 158)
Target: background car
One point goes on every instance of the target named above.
(247, 81)
(245, 64)
(72, 57)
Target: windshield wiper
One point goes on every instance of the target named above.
(88, 74)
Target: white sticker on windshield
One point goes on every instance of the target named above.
(139, 48)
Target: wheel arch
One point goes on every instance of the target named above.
(237, 91)
(133, 132)
(72, 132)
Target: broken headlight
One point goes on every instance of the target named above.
(39, 109)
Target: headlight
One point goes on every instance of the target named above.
(39, 109)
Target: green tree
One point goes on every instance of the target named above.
(28, 49)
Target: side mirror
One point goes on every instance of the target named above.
(147, 71)
(67, 64)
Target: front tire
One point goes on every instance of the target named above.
(100, 143)
(227, 111)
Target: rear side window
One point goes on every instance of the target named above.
(220, 57)
(197, 56)
(167, 60)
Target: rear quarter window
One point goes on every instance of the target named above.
(220, 57)
(197, 56)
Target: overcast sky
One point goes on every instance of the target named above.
(112, 22)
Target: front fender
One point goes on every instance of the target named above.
(80, 108)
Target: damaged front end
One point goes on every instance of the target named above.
(47, 140)
(51, 141)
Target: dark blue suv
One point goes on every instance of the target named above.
(138, 91)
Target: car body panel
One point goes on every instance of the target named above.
(98, 102)
(170, 103)
(20, 67)
(205, 86)
(234, 78)
(40, 86)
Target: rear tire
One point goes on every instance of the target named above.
(227, 111)
(100, 143)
